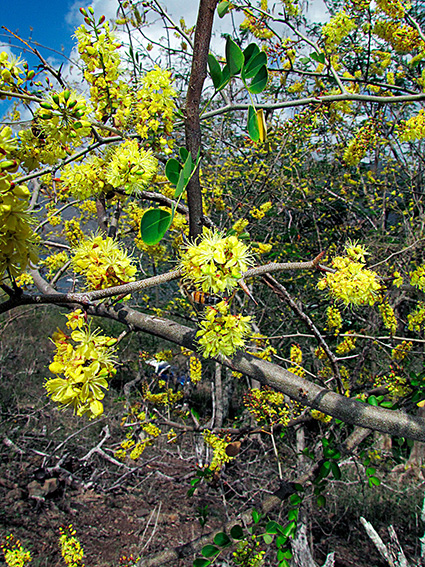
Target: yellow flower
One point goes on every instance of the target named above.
(220, 333)
(102, 262)
(216, 263)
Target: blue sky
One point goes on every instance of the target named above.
(50, 22)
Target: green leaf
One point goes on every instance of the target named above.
(184, 176)
(215, 71)
(373, 481)
(201, 562)
(253, 129)
(305, 60)
(281, 540)
(209, 550)
(236, 532)
(191, 492)
(295, 499)
(372, 400)
(183, 152)
(250, 52)
(153, 226)
(370, 471)
(259, 82)
(222, 539)
(267, 538)
(321, 501)
(195, 481)
(172, 170)
(282, 563)
(234, 57)
(325, 469)
(273, 527)
(256, 517)
(336, 471)
(254, 65)
(318, 57)
(222, 9)
(293, 515)
(289, 529)
(225, 77)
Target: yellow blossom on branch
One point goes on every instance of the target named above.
(103, 262)
(215, 263)
(220, 333)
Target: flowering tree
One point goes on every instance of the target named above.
(295, 150)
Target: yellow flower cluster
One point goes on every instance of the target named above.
(320, 416)
(247, 553)
(417, 277)
(71, 550)
(267, 406)
(11, 73)
(14, 554)
(260, 213)
(218, 445)
(73, 232)
(86, 179)
(85, 359)
(414, 128)
(360, 143)
(388, 317)
(24, 280)
(334, 320)
(102, 262)
(394, 8)
(130, 167)
(154, 108)
(17, 239)
(403, 39)
(55, 262)
(215, 264)
(337, 29)
(256, 26)
(416, 319)
(347, 345)
(351, 283)
(167, 398)
(400, 352)
(171, 436)
(240, 225)
(220, 333)
(98, 49)
(63, 117)
(397, 385)
(296, 357)
(195, 369)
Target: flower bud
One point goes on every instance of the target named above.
(83, 11)
(66, 95)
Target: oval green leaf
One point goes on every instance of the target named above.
(172, 170)
(222, 539)
(250, 52)
(267, 539)
(254, 65)
(259, 82)
(236, 532)
(223, 8)
(253, 128)
(215, 71)
(209, 550)
(201, 562)
(234, 57)
(153, 226)
(336, 471)
(272, 527)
